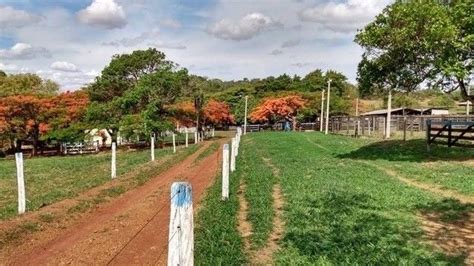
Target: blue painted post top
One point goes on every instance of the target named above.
(181, 194)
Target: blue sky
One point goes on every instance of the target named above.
(70, 41)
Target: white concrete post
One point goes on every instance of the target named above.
(153, 147)
(213, 132)
(114, 160)
(233, 154)
(245, 115)
(181, 231)
(327, 108)
(96, 146)
(187, 138)
(322, 112)
(174, 143)
(21, 183)
(195, 137)
(225, 172)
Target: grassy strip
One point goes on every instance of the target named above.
(340, 211)
(52, 179)
(209, 150)
(259, 181)
(217, 239)
(136, 178)
(442, 166)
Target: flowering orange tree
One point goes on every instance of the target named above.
(273, 109)
(31, 116)
(217, 113)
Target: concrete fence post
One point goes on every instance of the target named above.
(187, 138)
(181, 229)
(233, 154)
(114, 160)
(195, 137)
(225, 172)
(174, 143)
(21, 183)
(152, 147)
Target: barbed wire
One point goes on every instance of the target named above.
(141, 229)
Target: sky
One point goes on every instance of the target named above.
(71, 41)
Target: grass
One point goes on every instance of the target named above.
(207, 152)
(217, 240)
(52, 179)
(340, 206)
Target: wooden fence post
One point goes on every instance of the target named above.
(152, 147)
(181, 230)
(20, 182)
(233, 154)
(225, 172)
(404, 128)
(428, 135)
(114, 160)
(174, 143)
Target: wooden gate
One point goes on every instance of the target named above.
(451, 133)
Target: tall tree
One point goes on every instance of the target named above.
(27, 84)
(274, 109)
(413, 41)
(217, 113)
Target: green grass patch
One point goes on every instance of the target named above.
(52, 179)
(207, 152)
(217, 239)
(339, 207)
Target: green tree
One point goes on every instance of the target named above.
(134, 92)
(413, 41)
(27, 84)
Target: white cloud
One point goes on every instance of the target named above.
(290, 43)
(103, 13)
(64, 66)
(131, 42)
(301, 64)
(344, 17)
(24, 51)
(245, 28)
(8, 67)
(276, 52)
(165, 45)
(14, 18)
(170, 23)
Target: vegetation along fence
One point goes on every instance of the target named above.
(451, 133)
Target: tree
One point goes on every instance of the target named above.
(274, 109)
(37, 117)
(30, 84)
(412, 42)
(217, 114)
(139, 85)
(124, 72)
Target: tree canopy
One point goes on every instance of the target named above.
(412, 42)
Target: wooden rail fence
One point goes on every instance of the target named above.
(451, 133)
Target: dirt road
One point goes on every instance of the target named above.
(130, 229)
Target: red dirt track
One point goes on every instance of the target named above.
(131, 229)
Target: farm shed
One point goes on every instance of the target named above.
(408, 111)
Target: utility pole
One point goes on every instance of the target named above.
(245, 118)
(389, 114)
(322, 112)
(327, 106)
